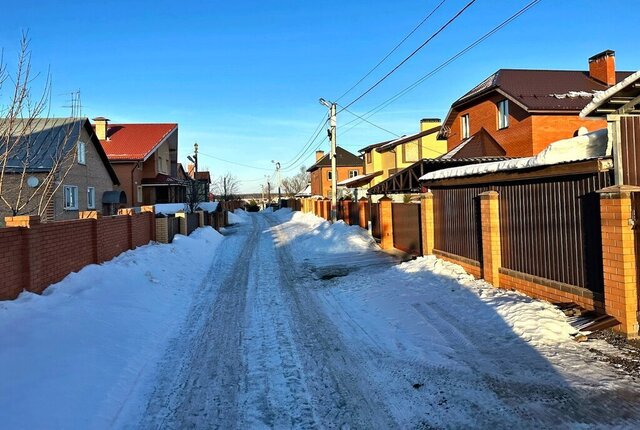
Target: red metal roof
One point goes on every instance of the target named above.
(134, 141)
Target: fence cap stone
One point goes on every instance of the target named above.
(22, 220)
(89, 215)
(619, 189)
(489, 195)
(385, 199)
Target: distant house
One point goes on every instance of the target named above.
(203, 183)
(348, 166)
(145, 157)
(518, 113)
(383, 159)
(65, 169)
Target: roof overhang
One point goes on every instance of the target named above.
(359, 181)
(621, 99)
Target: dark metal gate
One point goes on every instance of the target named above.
(406, 228)
(375, 220)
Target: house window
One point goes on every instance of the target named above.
(82, 148)
(369, 157)
(91, 198)
(464, 123)
(329, 175)
(503, 114)
(353, 173)
(139, 196)
(70, 197)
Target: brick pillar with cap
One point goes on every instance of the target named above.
(386, 223)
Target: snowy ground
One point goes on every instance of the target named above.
(291, 322)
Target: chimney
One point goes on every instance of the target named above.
(427, 123)
(102, 124)
(602, 67)
(319, 155)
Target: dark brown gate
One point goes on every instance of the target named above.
(375, 220)
(406, 228)
(354, 213)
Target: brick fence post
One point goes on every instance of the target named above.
(491, 253)
(94, 216)
(619, 259)
(362, 212)
(151, 212)
(162, 230)
(427, 223)
(27, 222)
(386, 222)
(130, 212)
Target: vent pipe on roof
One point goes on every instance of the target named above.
(102, 124)
(602, 67)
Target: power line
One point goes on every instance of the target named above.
(393, 50)
(305, 154)
(322, 122)
(451, 59)
(369, 122)
(445, 25)
(233, 162)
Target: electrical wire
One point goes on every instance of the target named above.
(322, 122)
(392, 51)
(369, 122)
(451, 59)
(440, 30)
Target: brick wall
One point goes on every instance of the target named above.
(34, 255)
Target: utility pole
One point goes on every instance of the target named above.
(195, 185)
(277, 163)
(332, 156)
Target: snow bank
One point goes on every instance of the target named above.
(239, 216)
(78, 352)
(585, 147)
(208, 206)
(308, 234)
(171, 208)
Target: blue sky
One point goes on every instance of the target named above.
(243, 78)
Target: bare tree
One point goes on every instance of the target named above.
(296, 183)
(32, 168)
(226, 187)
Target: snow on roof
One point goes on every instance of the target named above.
(306, 192)
(356, 179)
(584, 147)
(602, 96)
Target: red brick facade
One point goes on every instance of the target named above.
(526, 135)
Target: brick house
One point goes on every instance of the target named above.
(383, 159)
(348, 165)
(145, 157)
(66, 169)
(519, 112)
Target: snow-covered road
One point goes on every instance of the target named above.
(275, 346)
(292, 322)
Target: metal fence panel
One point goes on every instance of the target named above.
(406, 227)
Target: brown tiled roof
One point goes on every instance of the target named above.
(541, 90)
(374, 146)
(203, 176)
(134, 141)
(344, 158)
(481, 144)
(405, 139)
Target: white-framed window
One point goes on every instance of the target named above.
(91, 198)
(329, 175)
(82, 149)
(503, 114)
(70, 197)
(139, 196)
(353, 173)
(464, 125)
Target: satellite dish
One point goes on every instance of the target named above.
(32, 181)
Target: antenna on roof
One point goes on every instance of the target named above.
(75, 105)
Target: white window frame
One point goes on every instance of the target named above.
(91, 197)
(353, 173)
(70, 203)
(464, 126)
(82, 152)
(503, 114)
(139, 195)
